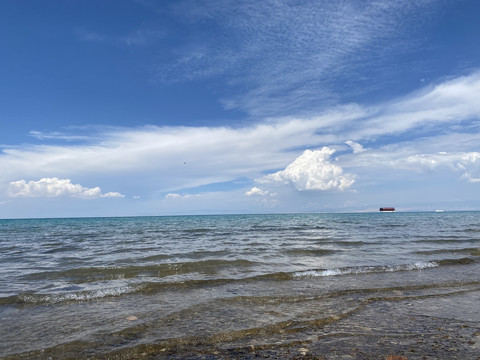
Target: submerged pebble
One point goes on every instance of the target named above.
(303, 351)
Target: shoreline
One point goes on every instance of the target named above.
(415, 327)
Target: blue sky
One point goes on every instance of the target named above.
(116, 108)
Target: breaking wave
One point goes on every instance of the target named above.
(357, 270)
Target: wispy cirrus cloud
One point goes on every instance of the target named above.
(57, 135)
(90, 36)
(442, 106)
(315, 49)
(139, 37)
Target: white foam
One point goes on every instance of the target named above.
(364, 270)
(422, 265)
(75, 296)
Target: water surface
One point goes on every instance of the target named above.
(96, 286)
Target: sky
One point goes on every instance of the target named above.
(142, 107)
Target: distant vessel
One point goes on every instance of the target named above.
(438, 210)
(387, 209)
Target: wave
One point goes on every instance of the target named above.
(352, 243)
(36, 299)
(357, 270)
(447, 240)
(62, 249)
(469, 251)
(95, 274)
(28, 298)
(197, 231)
(461, 261)
(147, 287)
(309, 252)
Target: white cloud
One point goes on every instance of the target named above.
(356, 147)
(55, 187)
(464, 162)
(420, 156)
(470, 178)
(189, 156)
(313, 171)
(307, 64)
(112, 194)
(56, 136)
(168, 159)
(140, 37)
(90, 36)
(173, 196)
(255, 191)
(449, 103)
(459, 161)
(177, 196)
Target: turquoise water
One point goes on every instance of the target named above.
(87, 286)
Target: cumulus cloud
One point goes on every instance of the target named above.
(55, 187)
(313, 171)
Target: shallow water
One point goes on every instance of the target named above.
(69, 287)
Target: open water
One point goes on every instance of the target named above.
(183, 286)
